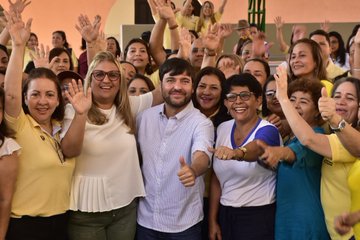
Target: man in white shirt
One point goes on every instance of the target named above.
(173, 138)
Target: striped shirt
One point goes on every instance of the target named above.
(169, 206)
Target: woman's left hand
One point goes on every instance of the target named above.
(79, 100)
(281, 83)
(223, 153)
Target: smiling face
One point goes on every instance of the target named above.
(208, 9)
(104, 91)
(128, 70)
(62, 63)
(176, 91)
(243, 111)
(138, 55)
(347, 102)
(271, 101)
(33, 42)
(42, 99)
(305, 106)
(138, 87)
(301, 61)
(208, 94)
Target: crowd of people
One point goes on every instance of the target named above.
(173, 139)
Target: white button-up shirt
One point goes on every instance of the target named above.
(168, 205)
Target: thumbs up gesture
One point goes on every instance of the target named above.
(327, 107)
(186, 174)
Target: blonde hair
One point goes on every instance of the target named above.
(201, 21)
(121, 101)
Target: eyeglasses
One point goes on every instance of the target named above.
(231, 97)
(100, 75)
(270, 94)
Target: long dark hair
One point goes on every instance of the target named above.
(148, 68)
(340, 54)
(221, 115)
(55, 52)
(63, 36)
(4, 130)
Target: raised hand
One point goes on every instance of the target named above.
(19, 32)
(279, 23)
(184, 43)
(41, 57)
(18, 5)
(80, 101)
(258, 46)
(357, 37)
(281, 83)
(211, 38)
(326, 104)
(325, 26)
(164, 9)
(186, 174)
(88, 31)
(228, 67)
(225, 30)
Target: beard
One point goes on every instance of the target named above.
(175, 103)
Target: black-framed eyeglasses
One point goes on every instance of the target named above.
(270, 94)
(245, 95)
(99, 75)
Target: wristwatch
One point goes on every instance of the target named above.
(340, 126)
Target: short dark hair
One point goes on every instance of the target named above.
(322, 33)
(244, 80)
(176, 66)
(41, 72)
(306, 85)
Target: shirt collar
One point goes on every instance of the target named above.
(189, 107)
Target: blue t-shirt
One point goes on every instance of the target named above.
(299, 214)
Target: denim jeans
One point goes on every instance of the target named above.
(192, 233)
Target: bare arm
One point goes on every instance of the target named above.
(319, 143)
(273, 155)
(156, 42)
(222, 6)
(8, 174)
(90, 33)
(211, 41)
(214, 203)
(199, 164)
(356, 68)
(71, 144)
(13, 79)
(279, 23)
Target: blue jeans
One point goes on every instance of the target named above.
(192, 233)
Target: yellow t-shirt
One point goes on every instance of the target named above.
(154, 77)
(43, 182)
(207, 22)
(328, 85)
(354, 185)
(186, 22)
(335, 193)
(333, 71)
